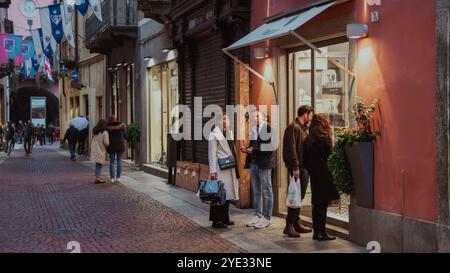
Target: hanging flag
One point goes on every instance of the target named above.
(37, 41)
(13, 47)
(35, 64)
(56, 22)
(68, 10)
(3, 54)
(46, 26)
(97, 8)
(48, 51)
(68, 29)
(82, 6)
(46, 68)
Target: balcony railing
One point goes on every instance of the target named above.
(155, 8)
(115, 13)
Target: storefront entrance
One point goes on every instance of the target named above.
(314, 80)
(163, 95)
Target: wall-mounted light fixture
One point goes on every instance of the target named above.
(119, 64)
(373, 2)
(167, 50)
(148, 58)
(261, 53)
(356, 31)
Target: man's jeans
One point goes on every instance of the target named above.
(112, 158)
(9, 146)
(72, 148)
(262, 190)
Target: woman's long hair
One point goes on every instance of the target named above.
(320, 127)
(100, 127)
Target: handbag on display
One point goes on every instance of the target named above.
(227, 163)
(211, 191)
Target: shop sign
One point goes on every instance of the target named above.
(201, 19)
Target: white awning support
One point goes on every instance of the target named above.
(256, 73)
(316, 49)
(281, 28)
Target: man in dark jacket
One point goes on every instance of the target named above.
(10, 138)
(71, 136)
(261, 164)
(293, 140)
(28, 135)
(116, 147)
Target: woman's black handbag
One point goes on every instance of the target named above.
(211, 191)
(227, 163)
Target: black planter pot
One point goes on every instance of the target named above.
(360, 156)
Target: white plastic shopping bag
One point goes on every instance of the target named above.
(294, 197)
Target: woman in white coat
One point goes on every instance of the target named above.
(223, 147)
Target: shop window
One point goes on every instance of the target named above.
(163, 95)
(317, 82)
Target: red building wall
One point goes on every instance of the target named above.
(396, 64)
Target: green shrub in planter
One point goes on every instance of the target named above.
(338, 162)
(133, 133)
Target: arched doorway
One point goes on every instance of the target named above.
(20, 104)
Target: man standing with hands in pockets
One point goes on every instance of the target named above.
(294, 136)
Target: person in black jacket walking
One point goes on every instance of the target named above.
(261, 164)
(28, 135)
(71, 136)
(316, 150)
(116, 147)
(10, 138)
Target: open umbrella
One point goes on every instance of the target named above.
(80, 123)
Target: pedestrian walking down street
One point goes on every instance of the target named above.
(82, 137)
(2, 136)
(51, 134)
(221, 147)
(116, 147)
(99, 145)
(20, 128)
(316, 150)
(293, 140)
(28, 135)
(261, 165)
(71, 136)
(10, 135)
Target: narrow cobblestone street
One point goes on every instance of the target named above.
(47, 201)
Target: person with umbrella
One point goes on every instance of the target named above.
(71, 136)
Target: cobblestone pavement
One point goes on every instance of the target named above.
(47, 201)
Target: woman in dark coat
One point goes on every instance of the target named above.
(116, 147)
(316, 150)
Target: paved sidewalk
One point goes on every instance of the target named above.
(47, 201)
(270, 240)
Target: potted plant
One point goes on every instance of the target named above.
(133, 136)
(352, 158)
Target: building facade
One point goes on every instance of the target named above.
(410, 165)
(82, 87)
(115, 39)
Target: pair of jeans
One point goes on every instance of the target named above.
(262, 191)
(98, 169)
(72, 148)
(293, 215)
(9, 146)
(112, 159)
